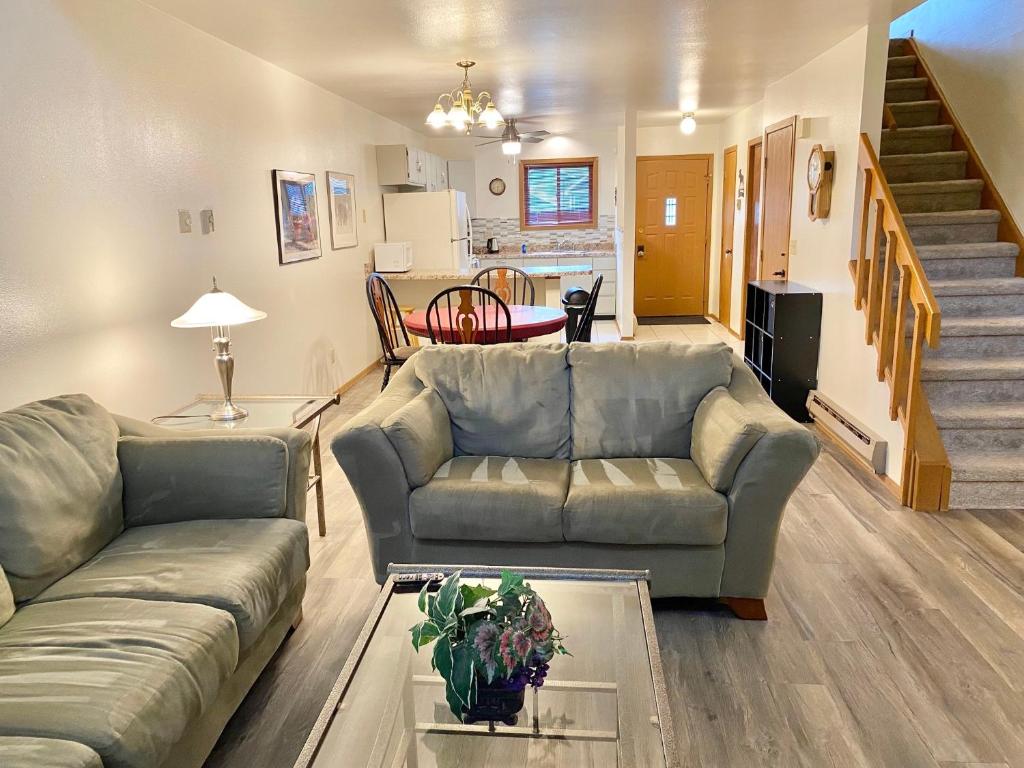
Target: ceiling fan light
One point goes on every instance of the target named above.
(511, 147)
(688, 124)
(491, 117)
(437, 118)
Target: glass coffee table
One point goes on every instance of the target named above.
(265, 412)
(606, 705)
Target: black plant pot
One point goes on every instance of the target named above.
(499, 701)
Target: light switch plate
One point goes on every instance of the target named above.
(206, 220)
(184, 221)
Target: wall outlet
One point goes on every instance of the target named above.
(206, 220)
(184, 221)
(792, 247)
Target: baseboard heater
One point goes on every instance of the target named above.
(853, 434)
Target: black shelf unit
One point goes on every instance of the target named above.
(781, 339)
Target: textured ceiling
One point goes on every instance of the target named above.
(567, 64)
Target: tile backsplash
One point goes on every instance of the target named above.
(510, 237)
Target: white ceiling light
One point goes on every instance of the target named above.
(688, 124)
(464, 109)
(510, 140)
(511, 147)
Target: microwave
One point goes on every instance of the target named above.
(392, 257)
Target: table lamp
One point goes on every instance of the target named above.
(218, 311)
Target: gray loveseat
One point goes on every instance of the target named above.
(146, 578)
(663, 456)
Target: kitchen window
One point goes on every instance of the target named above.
(558, 194)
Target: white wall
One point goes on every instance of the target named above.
(843, 89)
(706, 140)
(976, 51)
(116, 115)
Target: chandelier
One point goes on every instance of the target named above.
(465, 111)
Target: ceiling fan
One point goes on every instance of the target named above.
(512, 138)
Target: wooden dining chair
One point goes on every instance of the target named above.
(512, 284)
(586, 322)
(394, 338)
(452, 317)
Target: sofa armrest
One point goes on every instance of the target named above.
(765, 480)
(298, 444)
(376, 473)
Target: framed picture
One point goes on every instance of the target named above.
(341, 195)
(298, 230)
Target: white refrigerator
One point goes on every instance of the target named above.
(437, 224)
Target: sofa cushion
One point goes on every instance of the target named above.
(245, 567)
(124, 677)
(60, 489)
(489, 498)
(723, 434)
(6, 600)
(172, 479)
(503, 400)
(421, 435)
(638, 400)
(33, 752)
(642, 501)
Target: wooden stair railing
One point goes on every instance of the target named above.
(889, 285)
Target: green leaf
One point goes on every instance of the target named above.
(446, 597)
(442, 657)
(473, 595)
(423, 633)
(462, 672)
(510, 583)
(421, 601)
(473, 610)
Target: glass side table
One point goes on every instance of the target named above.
(265, 411)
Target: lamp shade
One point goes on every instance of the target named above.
(217, 308)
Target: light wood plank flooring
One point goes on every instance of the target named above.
(895, 638)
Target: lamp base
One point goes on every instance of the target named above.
(228, 411)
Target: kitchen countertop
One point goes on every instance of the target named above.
(589, 253)
(544, 273)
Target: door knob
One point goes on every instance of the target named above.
(640, 251)
(780, 273)
(729, 251)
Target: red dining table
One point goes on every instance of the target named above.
(527, 322)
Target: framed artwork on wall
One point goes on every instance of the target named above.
(298, 228)
(341, 196)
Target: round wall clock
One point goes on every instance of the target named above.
(497, 186)
(819, 182)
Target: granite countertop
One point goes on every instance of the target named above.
(467, 275)
(585, 252)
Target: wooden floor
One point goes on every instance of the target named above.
(894, 638)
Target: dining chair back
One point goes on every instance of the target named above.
(468, 314)
(512, 284)
(394, 338)
(586, 323)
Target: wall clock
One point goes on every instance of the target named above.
(819, 182)
(497, 186)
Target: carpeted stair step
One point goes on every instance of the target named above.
(900, 67)
(998, 416)
(987, 368)
(897, 46)
(980, 298)
(912, 114)
(906, 89)
(933, 196)
(928, 138)
(946, 227)
(987, 479)
(968, 260)
(924, 166)
(996, 439)
(979, 392)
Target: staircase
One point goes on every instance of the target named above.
(969, 247)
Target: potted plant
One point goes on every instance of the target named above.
(489, 644)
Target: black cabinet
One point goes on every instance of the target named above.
(781, 337)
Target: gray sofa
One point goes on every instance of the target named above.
(662, 456)
(146, 578)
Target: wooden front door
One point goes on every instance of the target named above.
(673, 197)
(728, 226)
(779, 146)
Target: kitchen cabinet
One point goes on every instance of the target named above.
(402, 165)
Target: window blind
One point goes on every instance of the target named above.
(558, 194)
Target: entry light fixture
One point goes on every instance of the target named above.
(465, 109)
(688, 124)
